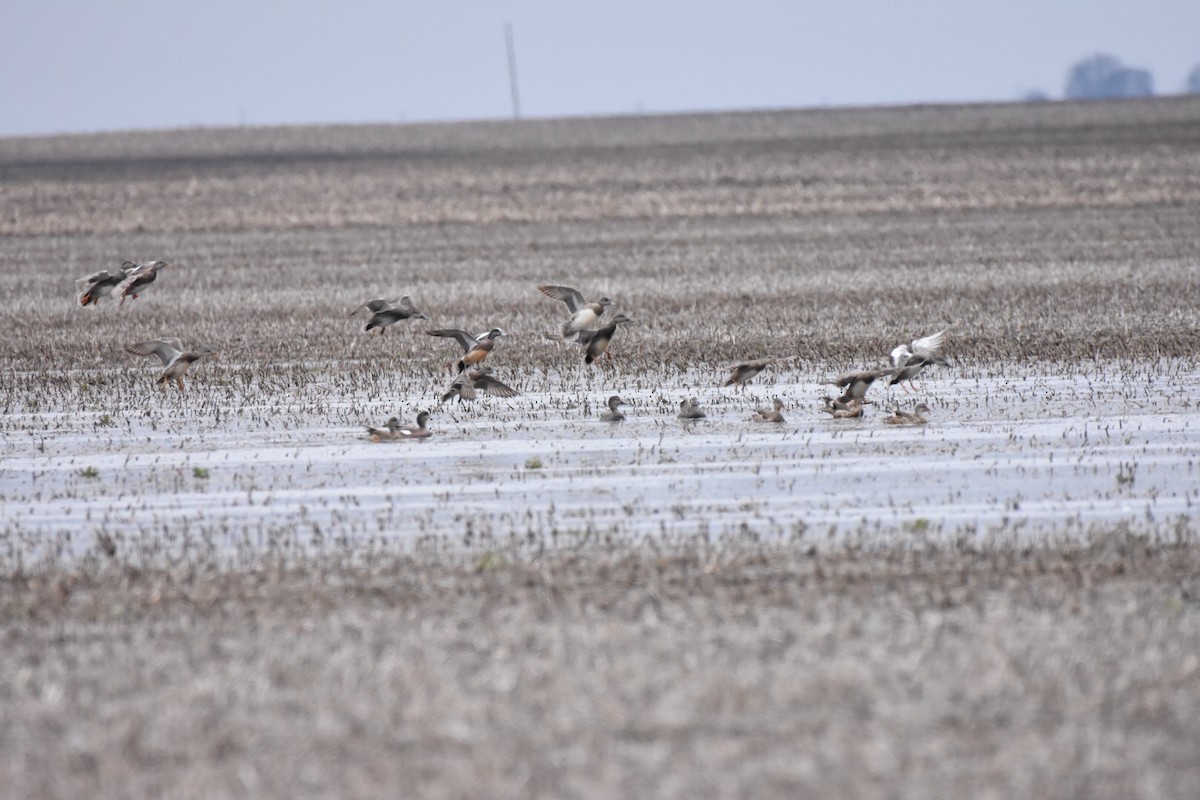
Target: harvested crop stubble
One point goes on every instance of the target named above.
(911, 670)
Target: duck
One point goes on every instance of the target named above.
(690, 409)
(909, 359)
(598, 343)
(856, 384)
(475, 348)
(100, 284)
(838, 409)
(583, 313)
(743, 372)
(384, 313)
(614, 414)
(398, 433)
(175, 359)
(914, 417)
(469, 382)
(137, 279)
(773, 414)
(384, 435)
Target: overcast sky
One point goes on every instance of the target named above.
(115, 64)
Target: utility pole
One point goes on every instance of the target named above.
(512, 70)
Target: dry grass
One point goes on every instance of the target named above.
(1053, 234)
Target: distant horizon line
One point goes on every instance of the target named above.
(534, 119)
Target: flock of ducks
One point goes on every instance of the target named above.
(474, 377)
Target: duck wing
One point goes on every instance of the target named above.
(571, 297)
(462, 337)
(374, 306)
(486, 383)
(930, 346)
(167, 350)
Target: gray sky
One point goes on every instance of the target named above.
(103, 65)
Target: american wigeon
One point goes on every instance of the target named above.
(772, 414)
(914, 417)
(598, 345)
(471, 381)
(745, 371)
(857, 383)
(174, 358)
(137, 279)
(910, 359)
(690, 409)
(614, 413)
(398, 433)
(839, 409)
(475, 349)
(583, 313)
(384, 434)
(99, 284)
(384, 313)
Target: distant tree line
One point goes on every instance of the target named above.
(1103, 76)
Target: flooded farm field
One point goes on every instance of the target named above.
(228, 591)
(1013, 450)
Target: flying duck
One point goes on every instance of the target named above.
(102, 283)
(137, 279)
(383, 313)
(469, 382)
(598, 344)
(857, 383)
(745, 371)
(583, 313)
(910, 359)
(475, 348)
(174, 358)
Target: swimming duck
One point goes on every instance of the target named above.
(914, 417)
(842, 410)
(583, 313)
(137, 279)
(398, 433)
(475, 348)
(469, 382)
(174, 358)
(910, 359)
(598, 344)
(745, 371)
(381, 435)
(690, 409)
(102, 283)
(613, 414)
(773, 414)
(383, 313)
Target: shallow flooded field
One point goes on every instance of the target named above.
(1017, 450)
(230, 592)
